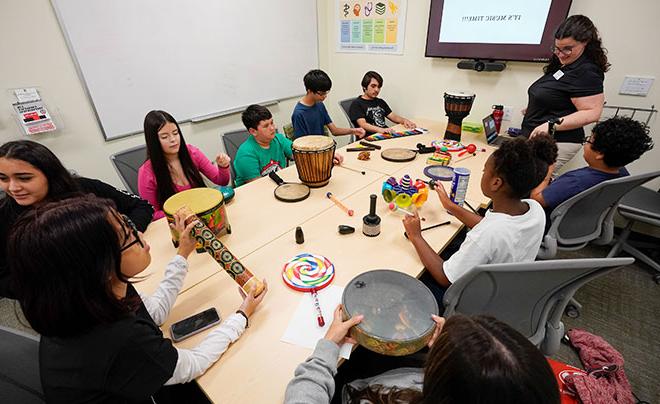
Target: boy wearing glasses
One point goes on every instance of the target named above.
(310, 116)
(613, 144)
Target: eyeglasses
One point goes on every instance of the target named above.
(588, 139)
(134, 231)
(566, 50)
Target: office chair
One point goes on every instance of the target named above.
(588, 216)
(19, 374)
(639, 205)
(345, 106)
(232, 141)
(127, 163)
(529, 296)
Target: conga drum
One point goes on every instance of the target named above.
(397, 311)
(457, 107)
(313, 156)
(207, 203)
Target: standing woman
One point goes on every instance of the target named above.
(571, 88)
(30, 175)
(173, 166)
(100, 340)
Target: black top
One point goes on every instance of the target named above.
(139, 210)
(373, 111)
(127, 361)
(550, 96)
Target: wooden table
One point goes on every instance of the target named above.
(259, 366)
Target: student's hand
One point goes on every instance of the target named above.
(443, 196)
(250, 301)
(439, 323)
(542, 129)
(409, 124)
(388, 130)
(412, 225)
(358, 132)
(337, 159)
(186, 241)
(338, 330)
(222, 160)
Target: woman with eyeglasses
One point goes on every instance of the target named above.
(30, 174)
(571, 89)
(100, 340)
(173, 166)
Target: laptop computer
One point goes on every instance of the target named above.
(490, 131)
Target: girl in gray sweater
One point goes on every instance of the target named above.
(474, 359)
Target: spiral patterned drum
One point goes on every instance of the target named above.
(308, 272)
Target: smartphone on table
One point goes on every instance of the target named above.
(194, 324)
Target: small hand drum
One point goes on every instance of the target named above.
(397, 312)
(457, 107)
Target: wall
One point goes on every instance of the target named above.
(414, 85)
(35, 55)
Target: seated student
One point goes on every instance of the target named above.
(510, 232)
(172, 166)
(369, 112)
(100, 340)
(472, 360)
(266, 150)
(613, 144)
(30, 174)
(310, 116)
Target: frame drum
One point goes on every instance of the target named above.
(314, 159)
(397, 311)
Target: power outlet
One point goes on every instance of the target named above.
(508, 113)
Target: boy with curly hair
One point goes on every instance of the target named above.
(510, 232)
(613, 144)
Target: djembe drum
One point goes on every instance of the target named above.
(314, 159)
(457, 107)
(206, 203)
(397, 312)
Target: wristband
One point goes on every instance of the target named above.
(242, 313)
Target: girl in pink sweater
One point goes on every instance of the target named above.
(172, 166)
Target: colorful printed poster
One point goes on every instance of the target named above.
(375, 26)
(34, 117)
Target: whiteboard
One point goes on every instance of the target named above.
(192, 58)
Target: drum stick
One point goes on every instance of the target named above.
(352, 169)
(317, 305)
(359, 149)
(431, 227)
(340, 205)
(367, 144)
(465, 158)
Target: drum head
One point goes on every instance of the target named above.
(397, 311)
(197, 199)
(398, 154)
(291, 192)
(439, 173)
(459, 94)
(313, 143)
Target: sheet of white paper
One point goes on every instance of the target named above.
(303, 329)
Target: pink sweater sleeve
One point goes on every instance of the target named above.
(217, 175)
(147, 188)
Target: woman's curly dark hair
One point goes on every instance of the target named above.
(580, 28)
(524, 163)
(622, 140)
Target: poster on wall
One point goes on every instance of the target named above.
(376, 26)
(34, 117)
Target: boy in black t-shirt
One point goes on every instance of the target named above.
(369, 112)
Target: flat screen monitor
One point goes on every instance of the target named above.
(520, 30)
